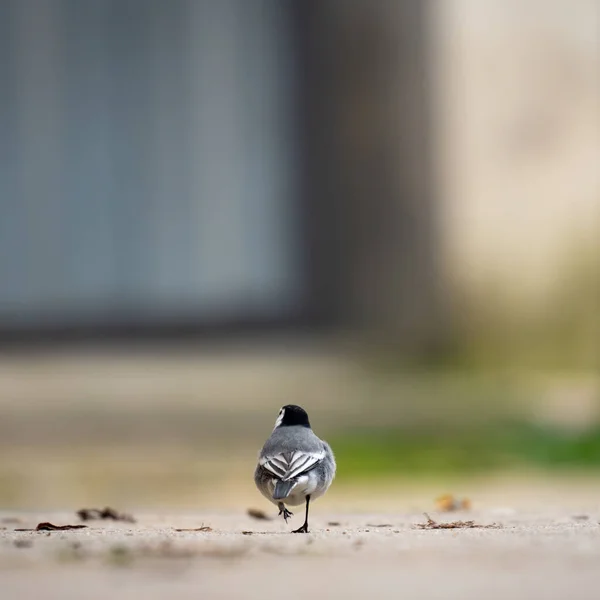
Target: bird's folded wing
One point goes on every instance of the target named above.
(288, 465)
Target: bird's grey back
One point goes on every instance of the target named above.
(290, 439)
(287, 440)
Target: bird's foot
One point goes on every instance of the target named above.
(285, 512)
(303, 529)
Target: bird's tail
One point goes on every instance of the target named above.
(282, 489)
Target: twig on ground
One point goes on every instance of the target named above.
(431, 524)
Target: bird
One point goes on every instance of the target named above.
(294, 465)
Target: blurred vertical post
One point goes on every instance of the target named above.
(370, 199)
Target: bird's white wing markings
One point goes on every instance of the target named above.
(287, 467)
(276, 464)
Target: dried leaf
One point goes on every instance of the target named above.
(202, 528)
(448, 503)
(91, 514)
(256, 513)
(51, 527)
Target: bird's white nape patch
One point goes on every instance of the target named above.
(279, 420)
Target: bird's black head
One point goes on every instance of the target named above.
(292, 415)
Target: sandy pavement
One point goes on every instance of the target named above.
(546, 554)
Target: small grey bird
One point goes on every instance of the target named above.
(294, 465)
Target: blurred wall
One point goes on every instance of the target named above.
(217, 162)
(421, 172)
(367, 89)
(518, 133)
(148, 161)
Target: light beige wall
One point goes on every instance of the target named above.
(517, 109)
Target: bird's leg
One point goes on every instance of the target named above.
(304, 528)
(284, 511)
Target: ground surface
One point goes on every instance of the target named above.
(547, 554)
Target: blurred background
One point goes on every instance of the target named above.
(387, 212)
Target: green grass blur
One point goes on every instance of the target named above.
(495, 446)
